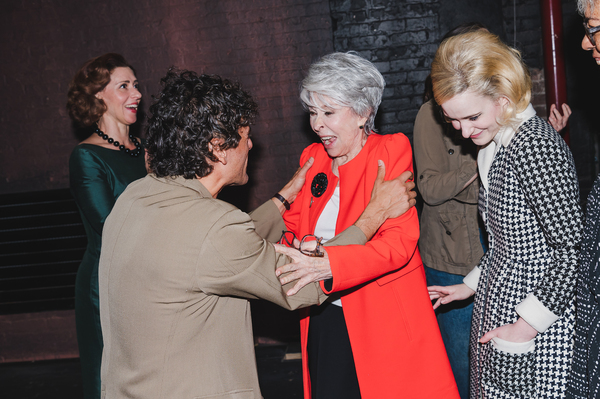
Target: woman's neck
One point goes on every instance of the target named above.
(344, 159)
(114, 129)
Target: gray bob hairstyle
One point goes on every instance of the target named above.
(344, 80)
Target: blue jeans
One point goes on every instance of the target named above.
(454, 320)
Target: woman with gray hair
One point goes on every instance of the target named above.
(377, 336)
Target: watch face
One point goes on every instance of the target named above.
(319, 185)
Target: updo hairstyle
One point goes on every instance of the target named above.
(481, 63)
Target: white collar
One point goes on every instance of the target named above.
(501, 139)
(506, 133)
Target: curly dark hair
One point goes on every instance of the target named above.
(92, 77)
(189, 112)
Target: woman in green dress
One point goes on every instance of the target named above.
(103, 95)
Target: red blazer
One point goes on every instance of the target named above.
(395, 339)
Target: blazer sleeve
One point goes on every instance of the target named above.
(394, 244)
(268, 221)
(241, 263)
(436, 183)
(546, 173)
(90, 187)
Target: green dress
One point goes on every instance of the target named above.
(98, 176)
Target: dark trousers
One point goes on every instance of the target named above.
(330, 360)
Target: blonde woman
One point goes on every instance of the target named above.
(524, 286)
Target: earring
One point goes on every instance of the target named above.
(361, 127)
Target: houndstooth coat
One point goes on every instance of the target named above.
(533, 218)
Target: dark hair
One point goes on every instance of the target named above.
(189, 112)
(92, 77)
(458, 30)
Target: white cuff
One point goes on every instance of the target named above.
(535, 314)
(472, 279)
(513, 347)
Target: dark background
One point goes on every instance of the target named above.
(264, 44)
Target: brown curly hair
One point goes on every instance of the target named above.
(187, 114)
(92, 77)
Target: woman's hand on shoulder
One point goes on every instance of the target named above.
(395, 196)
(292, 188)
(450, 293)
(389, 199)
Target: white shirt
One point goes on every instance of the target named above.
(326, 224)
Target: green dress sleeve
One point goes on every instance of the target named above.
(98, 176)
(91, 188)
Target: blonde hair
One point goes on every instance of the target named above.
(481, 63)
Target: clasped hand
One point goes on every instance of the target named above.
(305, 269)
(450, 293)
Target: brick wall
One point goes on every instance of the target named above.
(526, 34)
(400, 38)
(263, 44)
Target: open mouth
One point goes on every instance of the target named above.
(132, 107)
(327, 139)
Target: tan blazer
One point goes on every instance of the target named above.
(176, 272)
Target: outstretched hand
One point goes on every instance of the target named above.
(305, 269)
(557, 120)
(450, 293)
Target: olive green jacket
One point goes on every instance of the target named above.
(444, 163)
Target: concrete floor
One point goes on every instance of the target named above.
(61, 379)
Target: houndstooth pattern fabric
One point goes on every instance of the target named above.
(585, 374)
(532, 215)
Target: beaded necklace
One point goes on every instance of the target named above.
(133, 153)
